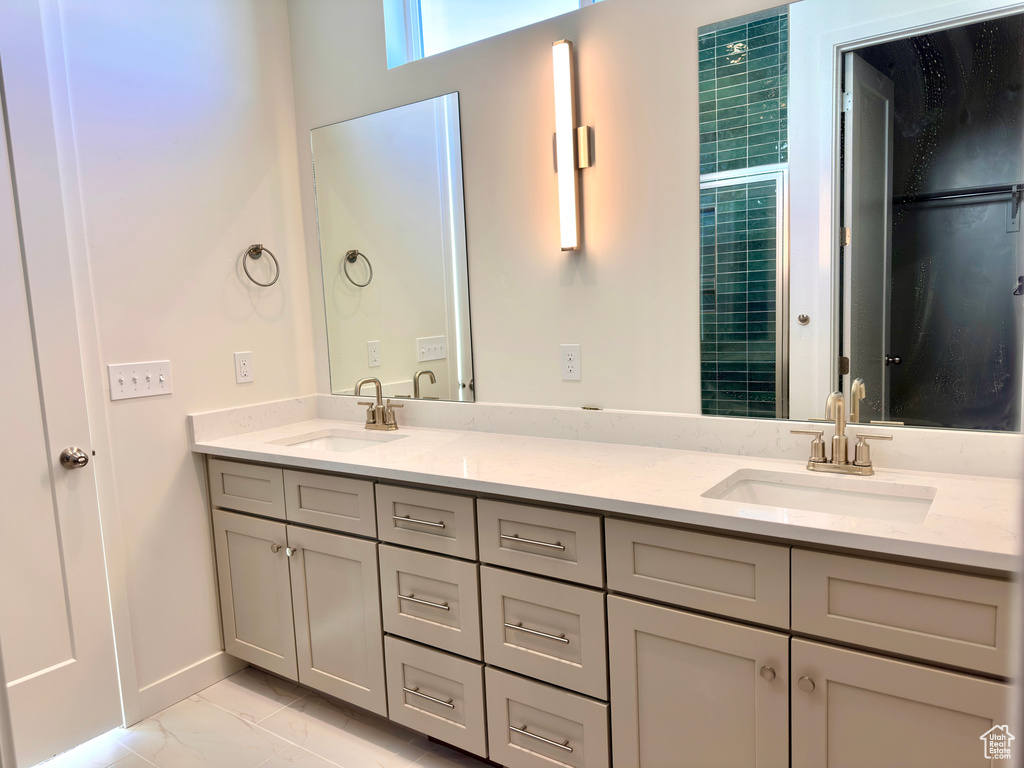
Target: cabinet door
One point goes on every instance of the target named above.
(255, 595)
(338, 634)
(852, 710)
(695, 692)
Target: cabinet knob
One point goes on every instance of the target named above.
(275, 548)
(767, 673)
(291, 551)
(805, 684)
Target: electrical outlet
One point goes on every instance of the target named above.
(129, 380)
(243, 367)
(431, 348)
(571, 362)
(373, 354)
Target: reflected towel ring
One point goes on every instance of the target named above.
(254, 252)
(350, 258)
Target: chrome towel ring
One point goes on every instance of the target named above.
(255, 252)
(350, 258)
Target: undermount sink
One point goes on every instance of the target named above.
(851, 497)
(337, 440)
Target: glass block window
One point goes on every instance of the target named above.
(738, 268)
(743, 72)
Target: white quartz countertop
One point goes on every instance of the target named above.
(972, 521)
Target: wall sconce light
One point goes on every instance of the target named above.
(572, 144)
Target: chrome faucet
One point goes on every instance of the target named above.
(835, 410)
(416, 382)
(381, 414)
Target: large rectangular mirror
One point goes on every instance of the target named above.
(923, 283)
(391, 219)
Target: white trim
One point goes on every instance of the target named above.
(186, 682)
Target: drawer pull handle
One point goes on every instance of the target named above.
(518, 626)
(561, 745)
(516, 537)
(416, 692)
(414, 599)
(408, 519)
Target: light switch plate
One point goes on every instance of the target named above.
(431, 348)
(129, 380)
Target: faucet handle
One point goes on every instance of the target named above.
(817, 444)
(862, 451)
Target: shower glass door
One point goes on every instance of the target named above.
(742, 284)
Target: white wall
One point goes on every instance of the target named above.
(630, 297)
(182, 152)
(378, 191)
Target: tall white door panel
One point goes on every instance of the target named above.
(55, 621)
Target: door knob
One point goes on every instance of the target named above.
(893, 360)
(73, 458)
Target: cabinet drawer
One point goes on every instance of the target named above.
(545, 629)
(437, 694)
(338, 503)
(247, 488)
(717, 574)
(431, 599)
(547, 542)
(440, 522)
(951, 618)
(532, 725)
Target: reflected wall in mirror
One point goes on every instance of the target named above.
(921, 283)
(392, 231)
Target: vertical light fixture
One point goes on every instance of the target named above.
(567, 161)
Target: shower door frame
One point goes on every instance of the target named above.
(779, 173)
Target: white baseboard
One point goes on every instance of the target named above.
(186, 682)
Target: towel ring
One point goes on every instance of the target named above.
(254, 252)
(350, 258)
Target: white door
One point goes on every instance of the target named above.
(867, 213)
(55, 620)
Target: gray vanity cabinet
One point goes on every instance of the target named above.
(853, 709)
(303, 604)
(255, 591)
(689, 691)
(336, 600)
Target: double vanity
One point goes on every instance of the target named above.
(545, 602)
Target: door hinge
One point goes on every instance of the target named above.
(844, 366)
(844, 237)
(848, 102)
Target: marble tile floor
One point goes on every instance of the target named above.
(255, 720)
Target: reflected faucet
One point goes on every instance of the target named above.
(416, 382)
(857, 393)
(381, 414)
